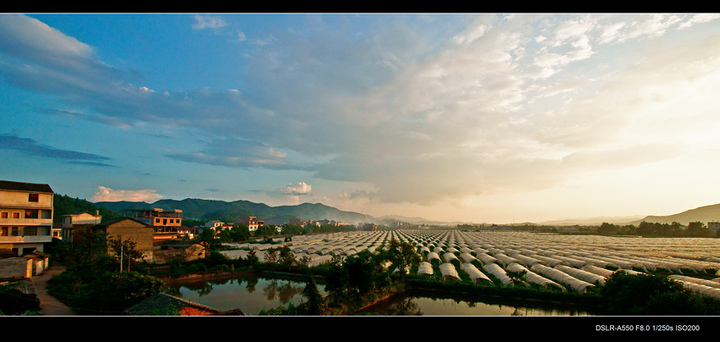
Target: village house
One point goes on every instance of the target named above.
(124, 229)
(215, 225)
(72, 221)
(166, 224)
(26, 217)
(251, 222)
(159, 219)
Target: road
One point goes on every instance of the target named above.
(49, 305)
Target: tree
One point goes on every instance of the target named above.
(647, 294)
(124, 252)
(698, 229)
(401, 255)
(608, 229)
(517, 277)
(353, 276)
(15, 302)
(265, 231)
(315, 299)
(92, 281)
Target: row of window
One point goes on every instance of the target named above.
(29, 214)
(166, 221)
(16, 231)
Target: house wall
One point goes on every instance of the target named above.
(16, 268)
(135, 231)
(25, 223)
(83, 218)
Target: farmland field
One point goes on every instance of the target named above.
(568, 262)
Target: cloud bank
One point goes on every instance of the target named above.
(508, 103)
(105, 194)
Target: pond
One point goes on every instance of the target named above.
(249, 293)
(429, 303)
(253, 294)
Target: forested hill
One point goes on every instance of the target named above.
(703, 214)
(64, 205)
(203, 210)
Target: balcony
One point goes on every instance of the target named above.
(26, 239)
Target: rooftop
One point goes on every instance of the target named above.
(21, 186)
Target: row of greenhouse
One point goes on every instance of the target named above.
(565, 262)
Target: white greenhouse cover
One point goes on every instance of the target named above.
(498, 272)
(425, 268)
(688, 279)
(505, 259)
(448, 270)
(534, 277)
(486, 258)
(589, 277)
(562, 277)
(432, 256)
(598, 270)
(448, 257)
(467, 257)
(474, 273)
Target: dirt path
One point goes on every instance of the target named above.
(49, 305)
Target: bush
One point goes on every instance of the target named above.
(646, 294)
(106, 292)
(15, 302)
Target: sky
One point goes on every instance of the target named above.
(473, 117)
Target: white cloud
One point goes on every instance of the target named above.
(208, 22)
(105, 194)
(300, 188)
(35, 39)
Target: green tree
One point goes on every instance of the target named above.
(400, 255)
(608, 229)
(15, 302)
(265, 231)
(124, 252)
(92, 280)
(698, 229)
(646, 294)
(316, 302)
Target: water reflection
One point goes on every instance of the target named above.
(430, 304)
(251, 294)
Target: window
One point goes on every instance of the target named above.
(4, 214)
(31, 214)
(34, 198)
(16, 215)
(30, 231)
(14, 231)
(5, 231)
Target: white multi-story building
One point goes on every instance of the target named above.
(26, 216)
(252, 222)
(74, 220)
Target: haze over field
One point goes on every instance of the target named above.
(450, 117)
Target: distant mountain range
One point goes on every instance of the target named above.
(203, 210)
(703, 214)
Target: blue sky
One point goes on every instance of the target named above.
(476, 117)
